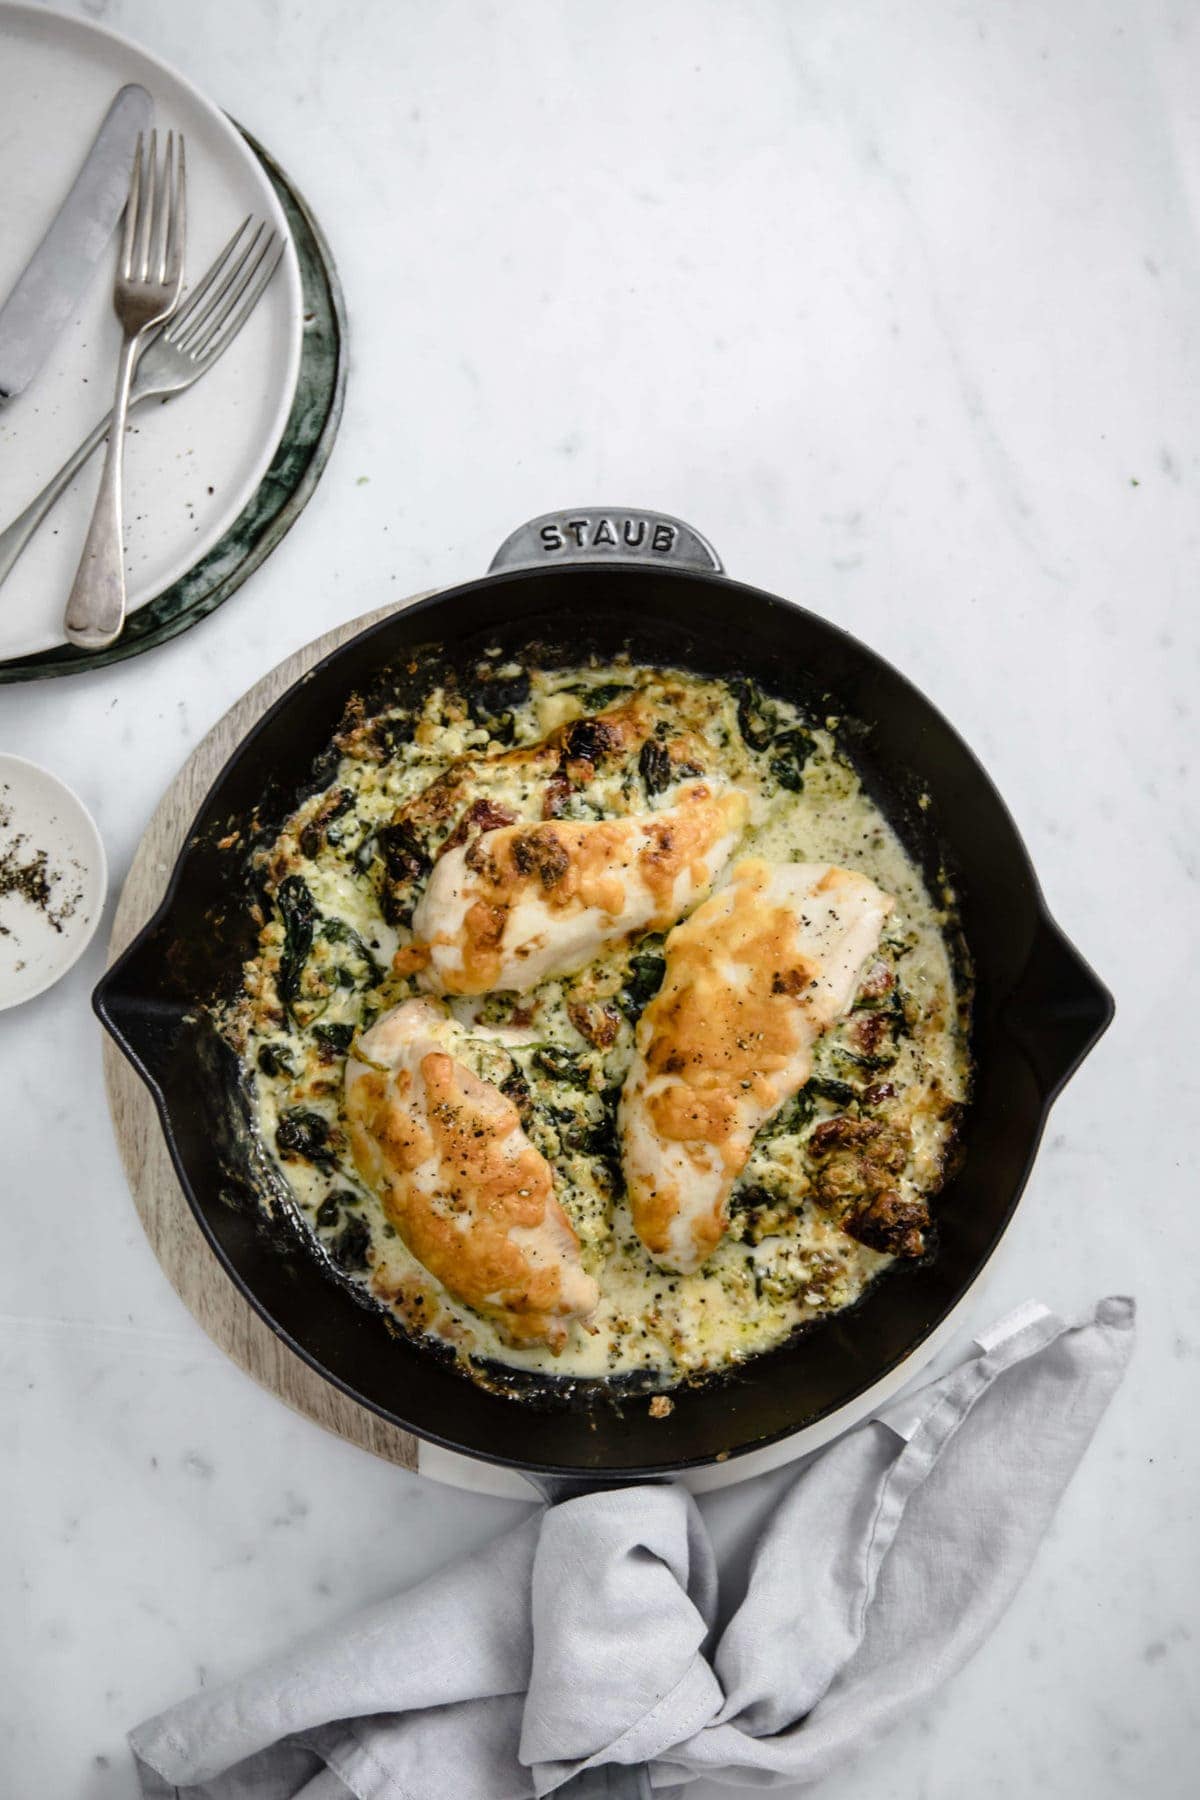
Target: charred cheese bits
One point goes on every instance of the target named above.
(573, 750)
(468, 1193)
(582, 758)
(518, 905)
(752, 980)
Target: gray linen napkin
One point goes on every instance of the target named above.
(588, 1635)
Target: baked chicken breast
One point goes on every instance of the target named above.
(649, 738)
(515, 906)
(469, 1194)
(752, 979)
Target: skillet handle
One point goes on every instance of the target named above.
(598, 534)
(1059, 1010)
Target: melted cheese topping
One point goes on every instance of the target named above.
(518, 905)
(467, 1191)
(752, 980)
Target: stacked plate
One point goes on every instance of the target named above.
(215, 477)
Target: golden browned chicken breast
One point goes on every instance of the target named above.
(470, 1195)
(520, 904)
(540, 780)
(752, 979)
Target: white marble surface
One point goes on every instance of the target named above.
(901, 307)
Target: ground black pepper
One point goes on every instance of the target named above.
(28, 875)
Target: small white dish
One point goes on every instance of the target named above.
(53, 879)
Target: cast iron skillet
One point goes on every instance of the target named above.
(565, 586)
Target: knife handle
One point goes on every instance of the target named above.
(96, 609)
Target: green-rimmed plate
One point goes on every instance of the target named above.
(284, 490)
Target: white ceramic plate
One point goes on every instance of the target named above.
(48, 843)
(192, 464)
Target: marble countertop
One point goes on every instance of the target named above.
(901, 310)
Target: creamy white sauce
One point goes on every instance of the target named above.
(750, 1295)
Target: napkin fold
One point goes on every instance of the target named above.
(588, 1636)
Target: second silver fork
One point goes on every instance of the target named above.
(146, 292)
(208, 320)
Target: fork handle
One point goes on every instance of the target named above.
(96, 608)
(15, 537)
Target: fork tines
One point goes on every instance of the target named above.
(153, 239)
(218, 308)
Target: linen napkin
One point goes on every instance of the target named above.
(588, 1636)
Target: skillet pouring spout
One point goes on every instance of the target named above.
(144, 1027)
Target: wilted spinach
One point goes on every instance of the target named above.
(406, 861)
(839, 1092)
(404, 855)
(758, 720)
(756, 1198)
(793, 1117)
(654, 765)
(304, 1134)
(601, 1139)
(494, 699)
(789, 753)
(335, 807)
(349, 1248)
(330, 1209)
(299, 916)
(517, 1089)
(336, 931)
(645, 976)
(560, 1065)
(594, 1137)
(598, 695)
(393, 732)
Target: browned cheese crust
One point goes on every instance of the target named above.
(465, 1127)
(716, 1040)
(574, 866)
(562, 763)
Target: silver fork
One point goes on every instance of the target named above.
(147, 288)
(205, 325)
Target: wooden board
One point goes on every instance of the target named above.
(175, 1237)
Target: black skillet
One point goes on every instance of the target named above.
(562, 588)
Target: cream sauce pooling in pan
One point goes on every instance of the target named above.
(838, 1180)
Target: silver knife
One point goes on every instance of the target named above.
(53, 284)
